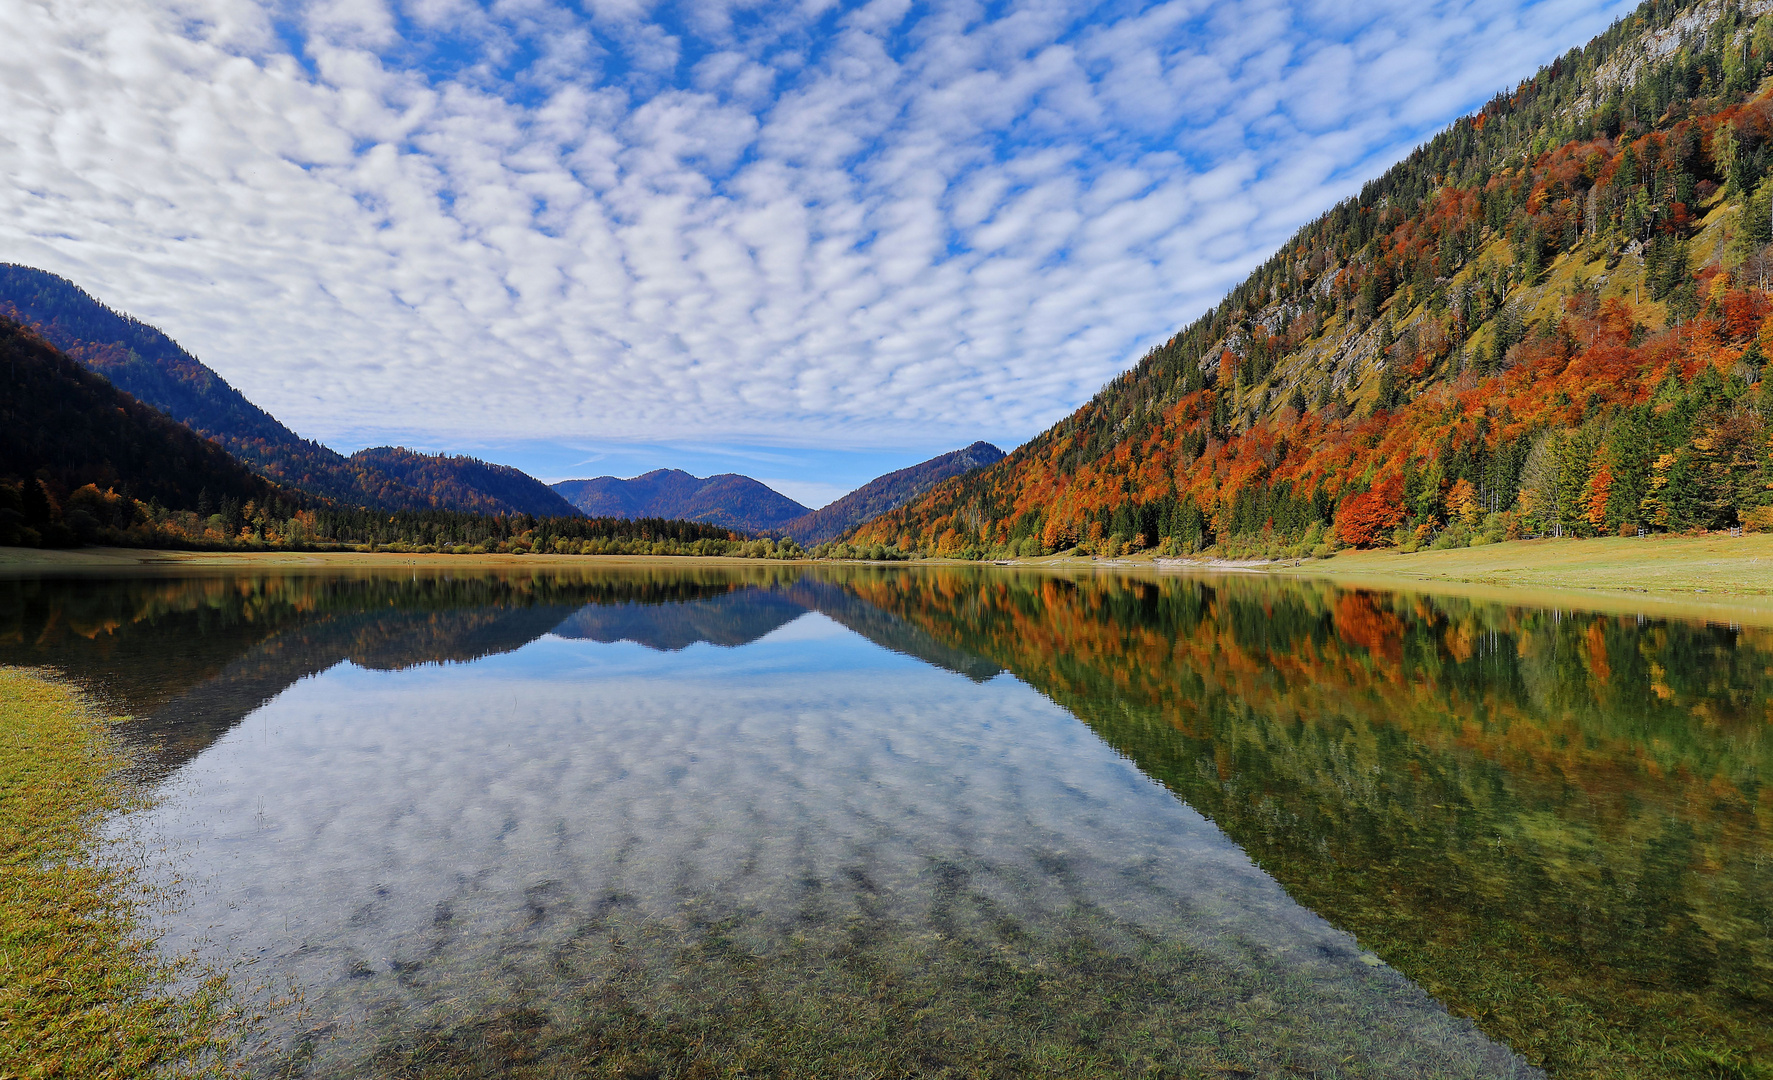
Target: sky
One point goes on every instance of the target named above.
(807, 241)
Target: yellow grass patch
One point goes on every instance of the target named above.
(82, 992)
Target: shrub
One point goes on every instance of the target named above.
(1759, 519)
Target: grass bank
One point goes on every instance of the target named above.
(1714, 578)
(1737, 566)
(82, 992)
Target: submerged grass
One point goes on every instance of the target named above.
(965, 989)
(83, 993)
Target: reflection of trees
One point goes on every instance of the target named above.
(1556, 822)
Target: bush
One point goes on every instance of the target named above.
(1759, 519)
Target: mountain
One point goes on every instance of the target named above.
(888, 492)
(1550, 319)
(465, 483)
(153, 368)
(63, 428)
(730, 500)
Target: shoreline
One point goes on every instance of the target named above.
(1715, 577)
(84, 994)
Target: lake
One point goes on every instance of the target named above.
(776, 820)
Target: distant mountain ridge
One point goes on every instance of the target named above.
(888, 492)
(144, 362)
(731, 500)
(739, 502)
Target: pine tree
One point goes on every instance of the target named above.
(1628, 457)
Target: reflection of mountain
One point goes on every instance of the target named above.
(184, 726)
(886, 629)
(737, 618)
(743, 616)
(188, 658)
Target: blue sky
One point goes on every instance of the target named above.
(810, 242)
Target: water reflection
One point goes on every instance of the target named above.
(1557, 822)
(643, 817)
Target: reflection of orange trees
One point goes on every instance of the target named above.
(1566, 804)
(1358, 622)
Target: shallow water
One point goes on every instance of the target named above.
(785, 822)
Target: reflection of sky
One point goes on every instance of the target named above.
(389, 837)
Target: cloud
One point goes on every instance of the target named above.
(881, 225)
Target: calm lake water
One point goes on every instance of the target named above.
(780, 821)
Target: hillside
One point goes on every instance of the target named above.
(729, 500)
(153, 368)
(68, 437)
(888, 492)
(1551, 319)
(465, 483)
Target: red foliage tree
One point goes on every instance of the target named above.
(1365, 518)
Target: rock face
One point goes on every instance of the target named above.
(888, 492)
(737, 502)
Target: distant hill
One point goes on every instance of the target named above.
(465, 483)
(888, 492)
(730, 500)
(153, 368)
(65, 426)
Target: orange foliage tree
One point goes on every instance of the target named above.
(1363, 520)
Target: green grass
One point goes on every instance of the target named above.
(83, 993)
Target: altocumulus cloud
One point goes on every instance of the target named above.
(886, 224)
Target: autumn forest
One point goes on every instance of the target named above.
(1551, 320)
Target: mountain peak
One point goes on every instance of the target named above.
(728, 499)
(889, 492)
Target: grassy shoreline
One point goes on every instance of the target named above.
(83, 995)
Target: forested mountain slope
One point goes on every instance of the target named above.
(730, 500)
(153, 368)
(1550, 319)
(465, 483)
(76, 453)
(888, 492)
